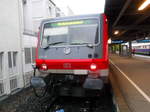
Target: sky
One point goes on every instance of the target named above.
(81, 6)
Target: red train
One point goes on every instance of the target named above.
(73, 53)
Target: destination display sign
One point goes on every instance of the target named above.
(68, 23)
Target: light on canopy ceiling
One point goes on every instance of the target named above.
(144, 5)
(116, 32)
(109, 41)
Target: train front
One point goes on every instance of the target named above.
(74, 49)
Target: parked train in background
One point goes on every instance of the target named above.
(142, 48)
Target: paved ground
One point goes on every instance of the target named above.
(133, 76)
(119, 99)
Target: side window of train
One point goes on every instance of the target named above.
(44, 42)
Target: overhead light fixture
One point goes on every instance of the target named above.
(116, 32)
(144, 5)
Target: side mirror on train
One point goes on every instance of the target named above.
(38, 82)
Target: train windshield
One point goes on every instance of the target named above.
(79, 32)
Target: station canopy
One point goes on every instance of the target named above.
(125, 21)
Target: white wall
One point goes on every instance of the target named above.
(10, 39)
(9, 25)
(35, 11)
(28, 42)
(27, 15)
(69, 12)
(14, 18)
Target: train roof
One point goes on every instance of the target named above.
(71, 18)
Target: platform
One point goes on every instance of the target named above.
(119, 101)
(133, 78)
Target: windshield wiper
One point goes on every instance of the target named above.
(55, 43)
(49, 44)
(87, 44)
(76, 43)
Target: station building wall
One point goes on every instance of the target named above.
(10, 47)
(19, 22)
(29, 52)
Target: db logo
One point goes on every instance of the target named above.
(67, 50)
(67, 65)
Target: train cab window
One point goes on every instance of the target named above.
(55, 36)
(83, 34)
(70, 33)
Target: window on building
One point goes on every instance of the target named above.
(13, 84)
(50, 11)
(9, 60)
(1, 62)
(27, 55)
(33, 54)
(14, 58)
(1, 88)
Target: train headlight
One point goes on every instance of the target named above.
(93, 66)
(44, 67)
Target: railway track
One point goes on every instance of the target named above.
(101, 103)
